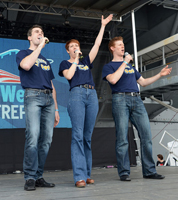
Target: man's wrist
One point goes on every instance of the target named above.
(57, 110)
(40, 47)
(125, 62)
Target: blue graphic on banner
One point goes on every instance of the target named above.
(12, 113)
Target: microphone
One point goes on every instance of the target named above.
(46, 41)
(131, 61)
(80, 55)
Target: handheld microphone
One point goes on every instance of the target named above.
(80, 55)
(46, 41)
(131, 61)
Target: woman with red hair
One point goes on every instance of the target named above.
(83, 104)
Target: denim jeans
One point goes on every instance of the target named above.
(39, 116)
(125, 107)
(82, 109)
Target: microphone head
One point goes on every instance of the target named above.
(47, 41)
(126, 53)
(131, 61)
(80, 56)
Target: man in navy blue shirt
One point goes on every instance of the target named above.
(127, 105)
(41, 109)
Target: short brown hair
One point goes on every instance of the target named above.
(70, 41)
(160, 156)
(112, 42)
(29, 33)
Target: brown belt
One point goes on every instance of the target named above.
(87, 86)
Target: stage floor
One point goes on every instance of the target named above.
(107, 186)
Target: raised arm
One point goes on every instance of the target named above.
(144, 82)
(114, 77)
(99, 38)
(69, 73)
(30, 60)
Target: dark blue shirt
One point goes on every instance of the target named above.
(82, 74)
(39, 76)
(128, 80)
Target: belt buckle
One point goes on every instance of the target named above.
(132, 94)
(47, 91)
(85, 86)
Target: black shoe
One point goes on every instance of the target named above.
(154, 176)
(42, 183)
(29, 185)
(125, 178)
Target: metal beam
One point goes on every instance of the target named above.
(175, 26)
(54, 2)
(163, 104)
(134, 6)
(73, 3)
(159, 44)
(164, 2)
(162, 121)
(53, 9)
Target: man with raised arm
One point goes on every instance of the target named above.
(41, 109)
(127, 105)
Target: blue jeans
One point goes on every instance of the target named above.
(39, 116)
(125, 107)
(82, 109)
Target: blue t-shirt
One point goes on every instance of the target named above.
(39, 76)
(128, 80)
(82, 74)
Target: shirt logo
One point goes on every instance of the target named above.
(83, 67)
(128, 70)
(43, 64)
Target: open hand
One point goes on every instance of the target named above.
(107, 20)
(165, 71)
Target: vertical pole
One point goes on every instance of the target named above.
(141, 64)
(134, 41)
(164, 60)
